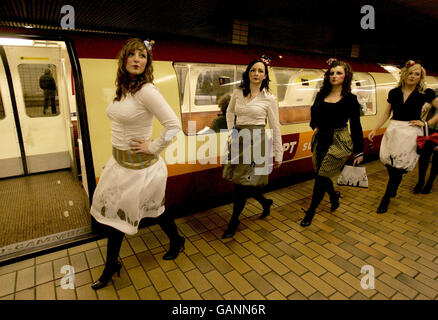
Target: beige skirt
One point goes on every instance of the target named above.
(334, 159)
(248, 159)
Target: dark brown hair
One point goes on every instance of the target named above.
(346, 85)
(125, 83)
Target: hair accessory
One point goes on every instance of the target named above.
(265, 59)
(149, 44)
(331, 60)
(410, 63)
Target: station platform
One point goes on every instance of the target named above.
(272, 259)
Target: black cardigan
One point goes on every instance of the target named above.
(327, 116)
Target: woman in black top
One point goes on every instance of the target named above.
(331, 142)
(398, 147)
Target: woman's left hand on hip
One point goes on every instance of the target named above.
(417, 123)
(139, 146)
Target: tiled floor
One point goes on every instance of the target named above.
(273, 258)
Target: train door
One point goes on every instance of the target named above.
(37, 81)
(39, 161)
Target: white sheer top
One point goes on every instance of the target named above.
(132, 117)
(255, 112)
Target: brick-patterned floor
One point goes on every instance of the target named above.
(273, 258)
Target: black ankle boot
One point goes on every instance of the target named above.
(231, 230)
(335, 201)
(107, 274)
(427, 188)
(175, 248)
(307, 221)
(266, 208)
(383, 206)
(418, 186)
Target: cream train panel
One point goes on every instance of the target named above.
(10, 156)
(99, 77)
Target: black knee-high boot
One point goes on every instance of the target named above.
(432, 175)
(334, 195)
(112, 265)
(317, 196)
(240, 195)
(423, 163)
(167, 223)
(266, 203)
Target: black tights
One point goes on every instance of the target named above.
(115, 237)
(395, 178)
(241, 193)
(423, 163)
(321, 186)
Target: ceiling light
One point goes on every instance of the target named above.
(15, 42)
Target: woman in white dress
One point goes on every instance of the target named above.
(250, 106)
(133, 183)
(398, 150)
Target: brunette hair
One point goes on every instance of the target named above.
(404, 73)
(223, 102)
(124, 82)
(244, 85)
(346, 85)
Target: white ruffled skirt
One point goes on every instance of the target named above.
(124, 196)
(399, 145)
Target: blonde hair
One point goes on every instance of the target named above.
(124, 83)
(404, 73)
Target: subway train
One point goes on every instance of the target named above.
(191, 75)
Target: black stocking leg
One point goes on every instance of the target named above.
(167, 223)
(317, 196)
(240, 195)
(433, 174)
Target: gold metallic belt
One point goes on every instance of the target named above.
(132, 160)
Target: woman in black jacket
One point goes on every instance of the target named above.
(332, 144)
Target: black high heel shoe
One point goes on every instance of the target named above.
(335, 201)
(307, 221)
(427, 188)
(107, 275)
(383, 206)
(266, 209)
(418, 187)
(231, 230)
(175, 248)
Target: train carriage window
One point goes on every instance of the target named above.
(40, 92)
(2, 109)
(364, 87)
(296, 90)
(200, 88)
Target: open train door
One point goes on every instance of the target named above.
(44, 200)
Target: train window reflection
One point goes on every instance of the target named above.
(364, 87)
(200, 88)
(2, 109)
(296, 90)
(39, 85)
